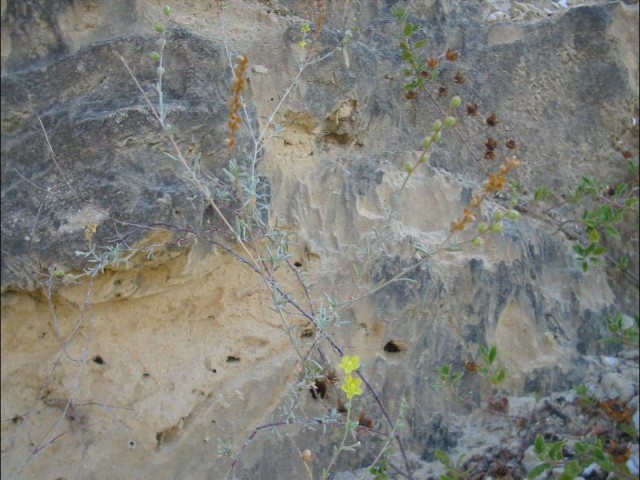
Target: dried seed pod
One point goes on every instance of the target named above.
(493, 120)
(459, 77)
(491, 144)
(452, 55)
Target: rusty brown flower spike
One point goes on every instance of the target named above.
(472, 109)
(496, 181)
(442, 91)
(433, 62)
(239, 84)
(511, 144)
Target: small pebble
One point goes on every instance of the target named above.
(610, 361)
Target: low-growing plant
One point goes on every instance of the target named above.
(610, 458)
(602, 212)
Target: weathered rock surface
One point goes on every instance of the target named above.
(176, 354)
(99, 127)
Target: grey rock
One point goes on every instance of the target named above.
(110, 171)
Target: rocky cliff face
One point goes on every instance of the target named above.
(171, 351)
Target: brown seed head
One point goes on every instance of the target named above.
(459, 77)
(451, 55)
(472, 109)
(493, 120)
(491, 144)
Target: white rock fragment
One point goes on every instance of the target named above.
(616, 385)
(497, 16)
(633, 464)
(590, 470)
(260, 69)
(610, 361)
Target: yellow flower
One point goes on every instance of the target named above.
(352, 386)
(349, 364)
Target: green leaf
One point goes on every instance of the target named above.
(555, 450)
(408, 30)
(400, 13)
(623, 263)
(493, 353)
(443, 457)
(499, 377)
(581, 448)
(567, 476)
(620, 189)
(580, 250)
(538, 470)
(613, 231)
(594, 235)
(541, 193)
(598, 454)
(420, 44)
(538, 444)
(617, 216)
(572, 469)
(411, 85)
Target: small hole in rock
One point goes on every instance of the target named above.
(319, 388)
(132, 444)
(297, 264)
(232, 359)
(98, 359)
(118, 295)
(145, 375)
(117, 282)
(308, 331)
(393, 346)
(214, 370)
